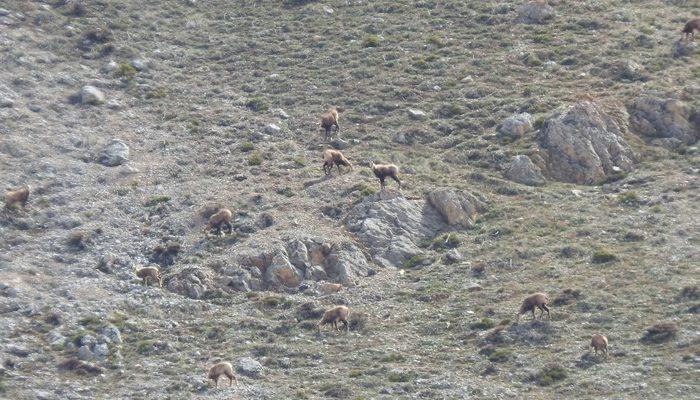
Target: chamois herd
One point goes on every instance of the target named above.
(220, 222)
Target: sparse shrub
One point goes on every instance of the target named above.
(247, 146)
(689, 293)
(629, 198)
(124, 70)
(550, 374)
(257, 104)
(566, 297)
(446, 241)
(602, 256)
(415, 261)
(660, 332)
(255, 159)
(157, 93)
(78, 240)
(164, 254)
(632, 236)
(275, 302)
(357, 321)
(478, 267)
(300, 161)
(286, 191)
(400, 376)
(355, 373)
(571, 251)
(500, 355)
(75, 9)
(437, 41)
(393, 357)
(371, 41)
(485, 323)
(157, 200)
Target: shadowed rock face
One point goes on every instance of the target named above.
(585, 145)
(653, 117)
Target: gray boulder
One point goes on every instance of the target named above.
(535, 12)
(523, 170)
(281, 272)
(455, 208)
(391, 229)
(114, 153)
(516, 126)
(346, 263)
(585, 145)
(653, 117)
(248, 367)
(91, 95)
(189, 281)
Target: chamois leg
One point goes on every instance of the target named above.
(534, 317)
(228, 227)
(347, 326)
(397, 180)
(216, 381)
(545, 308)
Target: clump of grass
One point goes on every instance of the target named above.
(437, 41)
(393, 357)
(400, 376)
(257, 104)
(255, 159)
(371, 41)
(157, 199)
(91, 322)
(275, 302)
(364, 189)
(300, 161)
(78, 240)
(415, 261)
(124, 70)
(602, 256)
(157, 93)
(247, 146)
(355, 373)
(550, 374)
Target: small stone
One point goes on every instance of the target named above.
(6, 102)
(114, 153)
(523, 170)
(473, 287)
(110, 67)
(281, 114)
(4, 12)
(551, 66)
(272, 128)
(415, 113)
(138, 64)
(91, 95)
(101, 351)
(328, 10)
(112, 333)
(516, 126)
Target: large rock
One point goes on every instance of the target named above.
(585, 145)
(281, 272)
(189, 281)
(248, 367)
(346, 263)
(91, 95)
(114, 153)
(455, 208)
(523, 170)
(516, 126)
(391, 229)
(653, 117)
(535, 12)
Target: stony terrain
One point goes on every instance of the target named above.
(543, 147)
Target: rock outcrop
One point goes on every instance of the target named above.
(456, 208)
(585, 145)
(654, 118)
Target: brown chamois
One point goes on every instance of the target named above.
(330, 119)
(334, 157)
(333, 316)
(17, 196)
(690, 28)
(219, 219)
(599, 342)
(381, 171)
(150, 272)
(537, 300)
(222, 368)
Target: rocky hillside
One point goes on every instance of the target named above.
(542, 146)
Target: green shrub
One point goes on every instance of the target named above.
(371, 41)
(500, 355)
(255, 159)
(550, 374)
(485, 323)
(414, 261)
(124, 70)
(629, 198)
(437, 41)
(247, 146)
(602, 256)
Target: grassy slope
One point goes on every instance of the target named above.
(209, 60)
